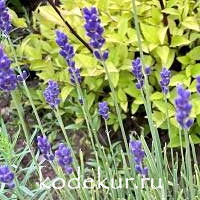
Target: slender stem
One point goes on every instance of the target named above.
(189, 165)
(87, 116)
(19, 111)
(26, 88)
(167, 116)
(60, 121)
(156, 140)
(109, 141)
(114, 97)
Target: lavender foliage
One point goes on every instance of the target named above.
(64, 158)
(6, 176)
(165, 75)
(51, 94)
(5, 23)
(183, 107)
(138, 154)
(95, 31)
(103, 109)
(45, 147)
(8, 80)
(67, 51)
(137, 72)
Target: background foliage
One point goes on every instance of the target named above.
(170, 37)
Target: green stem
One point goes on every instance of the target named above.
(114, 97)
(110, 144)
(167, 116)
(60, 121)
(26, 88)
(189, 165)
(19, 111)
(156, 140)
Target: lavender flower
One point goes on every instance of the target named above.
(45, 147)
(148, 71)
(6, 176)
(51, 94)
(64, 158)
(5, 24)
(165, 75)
(103, 109)
(137, 72)
(183, 107)
(67, 51)
(139, 154)
(94, 30)
(23, 76)
(198, 84)
(74, 71)
(8, 80)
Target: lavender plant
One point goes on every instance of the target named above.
(45, 147)
(6, 176)
(156, 164)
(5, 22)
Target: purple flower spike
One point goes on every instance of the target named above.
(6, 176)
(8, 80)
(51, 94)
(198, 84)
(64, 158)
(104, 110)
(5, 24)
(138, 154)
(94, 31)
(183, 107)
(165, 75)
(45, 147)
(137, 72)
(67, 51)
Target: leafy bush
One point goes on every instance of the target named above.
(165, 40)
(170, 37)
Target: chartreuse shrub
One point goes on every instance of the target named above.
(136, 171)
(169, 37)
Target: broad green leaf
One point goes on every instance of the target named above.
(160, 104)
(50, 15)
(194, 54)
(178, 40)
(184, 59)
(191, 23)
(90, 99)
(103, 4)
(16, 21)
(134, 108)
(163, 53)
(157, 96)
(123, 26)
(132, 91)
(150, 33)
(66, 91)
(179, 78)
(159, 118)
(162, 34)
(171, 11)
(193, 70)
(114, 78)
(122, 99)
